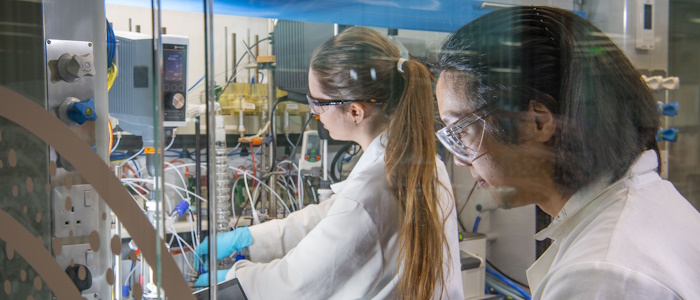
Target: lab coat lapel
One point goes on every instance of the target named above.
(538, 270)
(570, 215)
(582, 204)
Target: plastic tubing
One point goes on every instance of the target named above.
(503, 289)
(134, 156)
(167, 184)
(250, 197)
(263, 184)
(182, 178)
(476, 223)
(116, 144)
(508, 282)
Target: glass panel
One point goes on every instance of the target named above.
(155, 153)
(684, 155)
(210, 124)
(25, 192)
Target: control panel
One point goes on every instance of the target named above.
(174, 80)
(645, 25)
(310, 151)
(70, 87)
(131, 96)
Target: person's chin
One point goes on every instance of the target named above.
(504, 196)
(336, 137)
(333, 136)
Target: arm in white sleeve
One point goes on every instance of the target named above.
(601, 280)
(273, 239)
(342, 247)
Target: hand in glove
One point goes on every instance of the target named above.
(203, 279)
(226, 244)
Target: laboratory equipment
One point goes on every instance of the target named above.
(294, 43)
(223, 206)
(70, 79)
(129, 97)
(175, 50)
(472, 249)
(645, 25)
(230, 289)
(311, 158)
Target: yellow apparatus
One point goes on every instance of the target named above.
(253, 99)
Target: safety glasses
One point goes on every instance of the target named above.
(319, 106)
(464, 138)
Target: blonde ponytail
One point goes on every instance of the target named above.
(410, 163)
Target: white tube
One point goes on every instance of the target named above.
(182, 178)
(265, 185)
(167, 184)
(241, 124)
(286, 123)
(119, 138)
(132, 157)
(256, 219)
(172, 140)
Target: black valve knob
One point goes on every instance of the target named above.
(80, 275)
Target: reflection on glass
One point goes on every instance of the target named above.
(89, 72)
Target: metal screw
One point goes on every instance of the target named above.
(48, 42)
(90, 45)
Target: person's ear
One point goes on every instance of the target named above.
(544, 125)
(357, 112)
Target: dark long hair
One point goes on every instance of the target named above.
(606, 115)
(360, 63)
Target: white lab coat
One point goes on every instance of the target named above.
(344, 248)
(635, 239)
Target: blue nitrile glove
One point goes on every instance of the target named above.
(226, 244)
(203, 280)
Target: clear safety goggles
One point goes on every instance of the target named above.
(464, 138)
(319, 106)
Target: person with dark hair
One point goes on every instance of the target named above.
(545, 109)
(390, 229)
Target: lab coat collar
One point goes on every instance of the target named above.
(646, 162)
(374, 151)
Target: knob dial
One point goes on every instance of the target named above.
(73, 111)
(178, 101)
(72, 67)
(80, 275)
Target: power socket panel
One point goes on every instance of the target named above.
(82, 254)
(77, 216)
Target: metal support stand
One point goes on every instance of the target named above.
(211, 172)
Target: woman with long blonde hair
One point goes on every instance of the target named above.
(390, 229)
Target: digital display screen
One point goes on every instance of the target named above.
(647, 16)
(173, 67)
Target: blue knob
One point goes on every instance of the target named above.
(182, 207)
(668, 109)
(669, 135)
(83, 111)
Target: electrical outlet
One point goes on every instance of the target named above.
(82, 254)
(74, 211)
